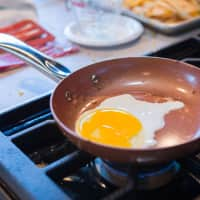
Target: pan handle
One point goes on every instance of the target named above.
(39, 60)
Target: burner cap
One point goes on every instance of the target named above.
(145, 179)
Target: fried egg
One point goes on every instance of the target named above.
(123, 121)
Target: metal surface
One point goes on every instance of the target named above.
(164, 27)
(27, 180)
(146, 180)
(6, 193)
(39, 60)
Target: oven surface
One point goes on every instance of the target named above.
(37, 162)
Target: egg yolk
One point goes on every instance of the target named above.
(109, 127)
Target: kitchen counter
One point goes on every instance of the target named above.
(21, 85)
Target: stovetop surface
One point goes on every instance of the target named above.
(37, 162)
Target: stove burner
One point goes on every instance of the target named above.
(146, 179)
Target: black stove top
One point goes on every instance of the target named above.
(37, 162)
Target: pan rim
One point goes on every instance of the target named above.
(84, 140)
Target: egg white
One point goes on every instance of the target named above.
(151, 115)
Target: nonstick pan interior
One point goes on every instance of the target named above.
(146, 78)
(149, 79)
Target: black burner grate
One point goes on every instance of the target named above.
(44, 143)
(37, 162)
(186, 49)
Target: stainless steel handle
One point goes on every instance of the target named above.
(39, 60)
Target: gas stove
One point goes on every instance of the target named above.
(37, 162)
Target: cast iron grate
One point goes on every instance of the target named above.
(25, 116)
(44, 143)
(86, 184)
(186, 49)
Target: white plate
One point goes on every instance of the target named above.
(124, 30)
(165, 28)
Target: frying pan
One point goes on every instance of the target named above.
(147, 78)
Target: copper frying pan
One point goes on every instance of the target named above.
(147, 78)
